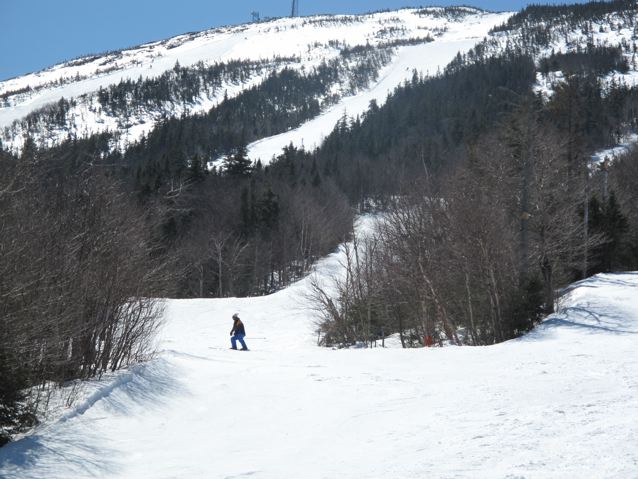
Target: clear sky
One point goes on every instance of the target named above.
(35, 34)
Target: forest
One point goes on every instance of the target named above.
(487, 198)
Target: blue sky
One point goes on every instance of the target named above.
(35, 34)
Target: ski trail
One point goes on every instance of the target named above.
(427, 59)
(562, 401)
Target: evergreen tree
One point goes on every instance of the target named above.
(269, 209)
(238, 164)
(14, 413)
(608, 220)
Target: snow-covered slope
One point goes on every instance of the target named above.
(542, 37)
(561, 402)
(297, 43)
(426, 59)
(301, 44)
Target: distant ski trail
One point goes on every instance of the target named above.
(427, 58)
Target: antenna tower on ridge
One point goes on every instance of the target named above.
(295, 8)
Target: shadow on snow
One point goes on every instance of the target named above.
(73, 447)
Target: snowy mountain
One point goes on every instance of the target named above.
(550, 39)
(359, 58)
(559, 402)
(472, 133)
(70, 100)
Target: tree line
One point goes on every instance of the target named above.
(496, 207)
(78, 268)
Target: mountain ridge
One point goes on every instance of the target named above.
(326, 38)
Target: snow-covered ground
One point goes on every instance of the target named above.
(561, 402)
(614, 31)
(626, 145)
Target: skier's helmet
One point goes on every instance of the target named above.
(235, 316)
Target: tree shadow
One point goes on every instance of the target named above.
(72, 445)
(61, 453)
(592, 315)
(561, 322)
(627, 279)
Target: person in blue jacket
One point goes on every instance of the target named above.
(238, 333)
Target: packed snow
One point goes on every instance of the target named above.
(561, 402)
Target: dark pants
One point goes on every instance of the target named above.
(240, 338)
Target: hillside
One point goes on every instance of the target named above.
(148, 194)
(222, 63)
(558, 402)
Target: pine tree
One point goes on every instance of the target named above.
(607, 219)
(269, 209)
(238, 164)
(196, 168)
(246, 211)
(14, 413)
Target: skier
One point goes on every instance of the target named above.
(238, 332)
